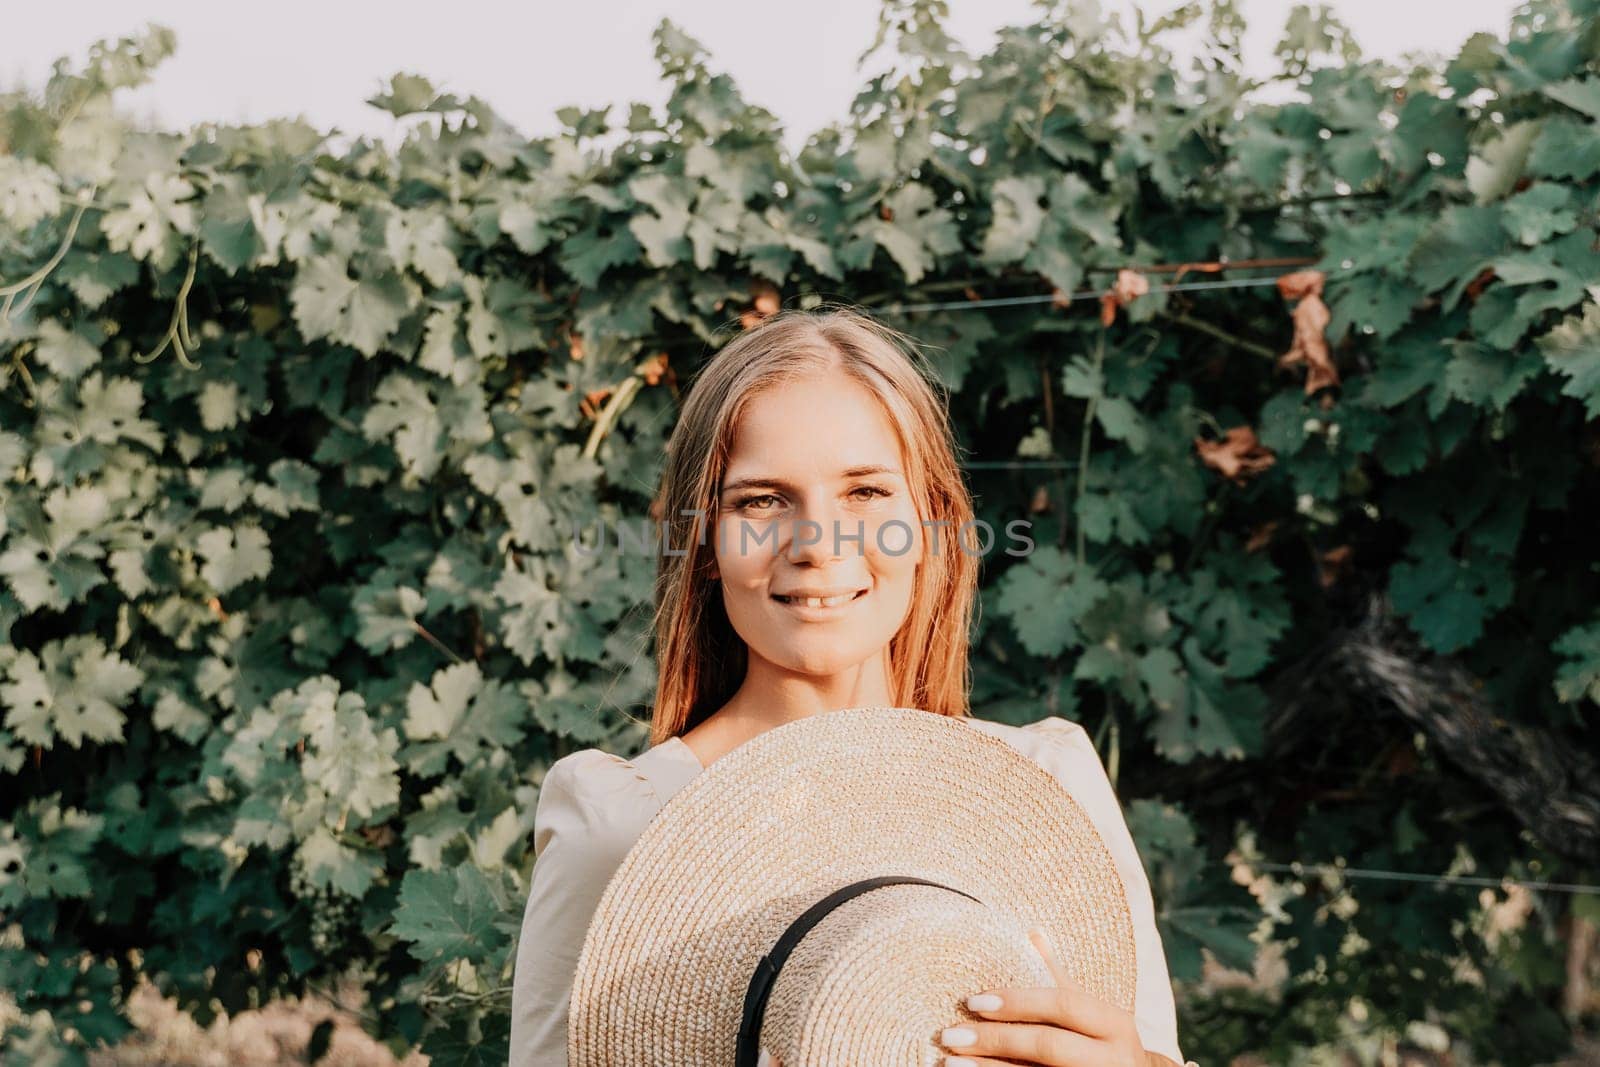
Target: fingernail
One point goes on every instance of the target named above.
(956, 1036)
(959, 1061)
(983, 1002)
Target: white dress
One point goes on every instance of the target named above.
(594, 804)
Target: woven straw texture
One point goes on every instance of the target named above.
(801, 810)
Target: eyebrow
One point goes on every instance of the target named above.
(859, 471)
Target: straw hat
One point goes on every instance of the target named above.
(834, 889)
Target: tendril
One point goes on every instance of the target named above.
(178, 329)
(29, 286)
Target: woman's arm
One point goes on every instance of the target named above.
(580, 836)
(1070, 755)
(592, 807)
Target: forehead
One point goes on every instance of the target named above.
(827, 422)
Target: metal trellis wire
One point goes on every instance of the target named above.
(1406, 876)
(1086, 294)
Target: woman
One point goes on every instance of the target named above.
(816, 559)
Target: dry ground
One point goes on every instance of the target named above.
(280, 1033)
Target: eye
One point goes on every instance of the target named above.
(749, 503)
(749, 500)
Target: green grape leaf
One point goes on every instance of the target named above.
(1018, 217)
(1579, 676)
(1580, 94)
(46, 851)
(1566, 148)
(233, 556)
(1457, 247)
(918, 233)
(590, 253)
(449, 915)
(68, 353)
(1046, 598)
(460, 713)
(74, 690)
(361, 312)
(29, 191)
(347, 756)
(1540, 212)
(331, 864)
(227, 227)
(423, 241)
(149, 224)
(1448, 600)
(1572, 350)
(408, 94)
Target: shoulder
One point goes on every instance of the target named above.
(1056, 728)
(604, 797)
(1044, 735)
(1065, 749)
(594, 776)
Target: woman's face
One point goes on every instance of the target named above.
(815, 463)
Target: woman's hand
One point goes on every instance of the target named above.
(1062, 1027)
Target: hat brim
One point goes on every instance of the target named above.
(800, 810)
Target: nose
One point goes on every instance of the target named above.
(820, 534)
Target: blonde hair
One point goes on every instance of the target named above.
(700, 658)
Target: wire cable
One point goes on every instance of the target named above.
(1087, 294)
(1440, 879)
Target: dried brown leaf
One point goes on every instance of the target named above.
(1239, 456)
(1311, 318)
(1129, 286)
(764, 295)
(654, 368)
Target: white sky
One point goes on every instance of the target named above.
(322, 59)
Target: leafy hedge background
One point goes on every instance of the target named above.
(295, 435)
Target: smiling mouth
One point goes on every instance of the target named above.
(820, 602)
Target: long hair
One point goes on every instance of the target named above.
(700, 658)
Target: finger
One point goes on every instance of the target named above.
(1041, 943)
(1032, 1043)
(1067, 1004)
(1069, 1009)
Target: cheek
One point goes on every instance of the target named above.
(739, 548)
(896, 541)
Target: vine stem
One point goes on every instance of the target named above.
(444, 1000)
(1048, 387)
(326, 991)
(17, 360)
(614, 407)
(1115, 757)
(1220, 334)
(77, 107)
(1205, 529)
(434, 641)
(1083, 447)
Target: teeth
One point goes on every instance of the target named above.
(819, 601)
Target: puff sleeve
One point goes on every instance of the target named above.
(592, 807)
(1067, 751)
